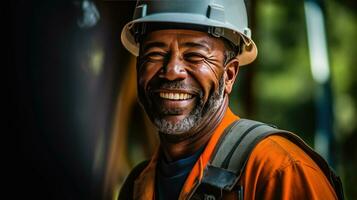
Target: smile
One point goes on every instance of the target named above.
(175, 96)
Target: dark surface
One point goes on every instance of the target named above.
(58, 108)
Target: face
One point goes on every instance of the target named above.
(181, 79)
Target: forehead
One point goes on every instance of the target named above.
(182, 37)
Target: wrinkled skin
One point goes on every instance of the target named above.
(183, 86)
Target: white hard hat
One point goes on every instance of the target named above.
(220, 18)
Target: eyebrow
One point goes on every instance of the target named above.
(202, 44)
(150, 45)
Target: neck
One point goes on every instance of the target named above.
(175, 149)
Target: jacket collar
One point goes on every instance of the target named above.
(144, 185)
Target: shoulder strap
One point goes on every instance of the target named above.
(234, 148)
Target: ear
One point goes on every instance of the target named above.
(230, 73)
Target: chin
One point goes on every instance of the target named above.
(176, 128)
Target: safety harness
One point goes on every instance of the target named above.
(232, 153)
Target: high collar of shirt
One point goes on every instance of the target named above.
(179, 167)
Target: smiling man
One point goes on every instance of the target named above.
(188, 57)
(183, 87)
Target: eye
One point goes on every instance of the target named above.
(155, 56)
(194, 57)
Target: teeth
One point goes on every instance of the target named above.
(175, 96)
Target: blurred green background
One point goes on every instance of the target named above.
(283, 89)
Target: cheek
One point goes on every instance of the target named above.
(145, 74)
(208, 77)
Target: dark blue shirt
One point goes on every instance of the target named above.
(171, 176)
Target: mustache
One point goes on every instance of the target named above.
(173, 85)
(178, 85)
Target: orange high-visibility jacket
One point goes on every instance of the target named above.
(276, 169)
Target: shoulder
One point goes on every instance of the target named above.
(126, 191)
(277, 152)
(277, 165)
(282, 169)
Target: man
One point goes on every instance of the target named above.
(189, 54)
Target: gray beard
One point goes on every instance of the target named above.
(198, 113)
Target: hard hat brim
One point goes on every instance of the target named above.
(248, 54)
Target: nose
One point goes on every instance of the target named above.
(173, 69)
